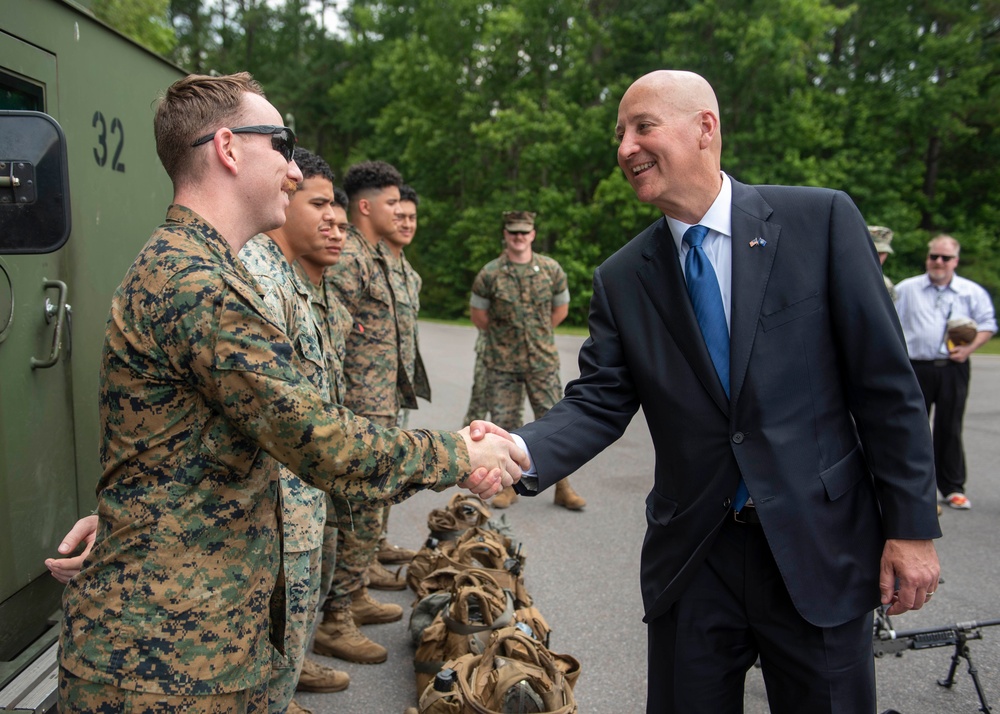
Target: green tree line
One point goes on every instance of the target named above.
(488, 106)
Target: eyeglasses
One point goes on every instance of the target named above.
(934, 257)
(282, 138)
(517, 233)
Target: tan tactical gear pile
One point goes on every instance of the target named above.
(481, 646)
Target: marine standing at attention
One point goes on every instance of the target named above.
(517, 301)
(376, 387)
(268, 257)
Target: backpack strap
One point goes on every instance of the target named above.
(466, 628)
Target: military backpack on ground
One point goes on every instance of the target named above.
(515, 674)
(463, 511)
(477, 606)
(476, 548)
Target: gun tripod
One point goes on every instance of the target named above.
(962, 652)
(886, 640)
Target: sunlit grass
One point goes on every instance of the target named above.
(990, 348)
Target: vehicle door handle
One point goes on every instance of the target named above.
(59, 312)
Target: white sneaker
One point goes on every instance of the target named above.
(959, 501)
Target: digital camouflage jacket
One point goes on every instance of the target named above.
(198, 390)
(519, 299)
(288, 299)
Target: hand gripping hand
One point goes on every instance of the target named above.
(496, 460)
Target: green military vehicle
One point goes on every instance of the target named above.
(81, 189)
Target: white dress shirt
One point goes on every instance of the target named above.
(925, 308)
(718, 243)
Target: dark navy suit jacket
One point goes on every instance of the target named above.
(826, 422)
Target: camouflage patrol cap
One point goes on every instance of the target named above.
(518, 220)
(882, 237)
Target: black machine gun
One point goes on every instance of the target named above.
(887, 640)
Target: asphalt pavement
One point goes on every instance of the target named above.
(582, 567)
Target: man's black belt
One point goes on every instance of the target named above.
(943, 362)
(747, 517)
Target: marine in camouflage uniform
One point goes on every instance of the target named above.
(176, 594)
(201, 395)
(406, 284)
(517, 300)
(882, 238)
(376, 389)
(335, 322)
(303, 507)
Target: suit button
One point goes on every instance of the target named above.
(727, 503)
(738, 437)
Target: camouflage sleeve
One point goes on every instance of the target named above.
(246, 368)
(482, 291)
(560, 285)
(349, 277)
(277, 305)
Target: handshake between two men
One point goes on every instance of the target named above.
(497, 461)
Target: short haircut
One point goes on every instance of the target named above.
(370, 176)
(945, 236)
(406, 193)
(311, 165)
(340, 197)
(192, 107)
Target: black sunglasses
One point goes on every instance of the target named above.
(282, 138)
(518, 233)
(934, 257)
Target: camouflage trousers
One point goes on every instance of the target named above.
(479, 407)
(506, 390)
(356, 548)
(79, 696)
(329, 556)
(302, 586)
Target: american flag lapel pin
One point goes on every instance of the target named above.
(758, 241)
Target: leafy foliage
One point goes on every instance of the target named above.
(145, 21)
(487, 106)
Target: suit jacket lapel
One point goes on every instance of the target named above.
(751, 271)
(661, 277)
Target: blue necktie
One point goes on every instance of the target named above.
(706, 299)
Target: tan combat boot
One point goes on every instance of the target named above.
(369, 611)
(296, 708)
(316, 677)
(505, 498)
(381, 578)
(567, 497)
(339, 637)
(393, 554)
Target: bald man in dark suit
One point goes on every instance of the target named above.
(807, 406)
